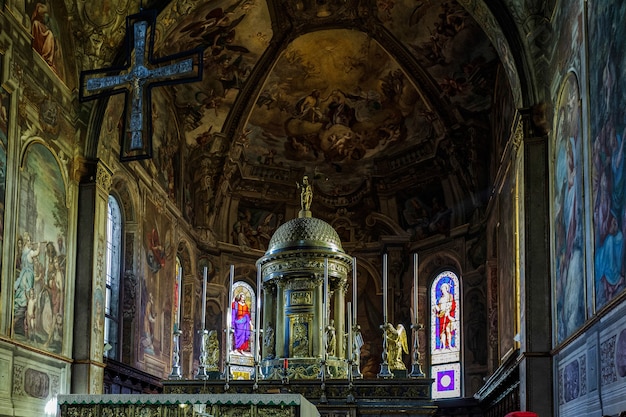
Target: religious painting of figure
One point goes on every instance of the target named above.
(568, 213)
(165, 163)
(445, 329)
(608, 176)
(157, 299)
(46, 29)
(507, 276)
(4, 142)
(242, 319)
(40, 284)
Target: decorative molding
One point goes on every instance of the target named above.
(103, 178)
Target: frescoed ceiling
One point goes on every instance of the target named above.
(378, 101)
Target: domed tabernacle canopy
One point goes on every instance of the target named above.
(304, 274)
(304, 233)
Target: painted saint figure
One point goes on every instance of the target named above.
(445, 310)
(241, 324)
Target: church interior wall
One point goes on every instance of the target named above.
(589, 368)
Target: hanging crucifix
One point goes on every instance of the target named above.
(136, 78)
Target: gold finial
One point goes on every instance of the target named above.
(306, 196)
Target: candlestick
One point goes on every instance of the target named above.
(326, 309)
(349, 332)
(415, 286)
(204, 280)
(384, 289)
(354, 292)
(179, 278)
(229, 316)
(257, 317)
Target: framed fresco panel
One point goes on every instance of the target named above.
(507, 278)
(568, 211)
(39, 298)
(607, 127)
(4, 142)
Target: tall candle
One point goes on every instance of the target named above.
(385, 288)
(257, 317)
(326, 309)
(179, 278)
(415, 287)
(349, 331)
(354, 292)
(204, 280)
(229, 316)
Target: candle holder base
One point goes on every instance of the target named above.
(202, 373)
(416, 371)
(384, 371)
(175, 374)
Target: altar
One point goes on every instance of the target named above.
(187, 405)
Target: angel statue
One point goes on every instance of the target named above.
(396, 346)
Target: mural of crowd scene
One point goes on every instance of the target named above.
(568, 212)
(46, 26)
(507, 279)
(156, 291)
(423, 212)
(229, 57)
(4, 143)
(449, 29)
(332, 123)
(607, 40)
(254, 227)
(40, 264)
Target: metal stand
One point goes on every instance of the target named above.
(227, 375)
(322, 374)
(202, 374)
(175, 374)
(384, 366)
(350, 397)
(416, 370)
(355, 366)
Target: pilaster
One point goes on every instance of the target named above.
(89, 301)
(536, 393)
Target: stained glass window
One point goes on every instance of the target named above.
(113, 261)
(445, 332)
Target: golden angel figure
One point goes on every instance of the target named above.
(396, 346)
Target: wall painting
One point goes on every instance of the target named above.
(4, 143)
(568, 234)
(40, 266)
(607, 41)
(156, 291)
